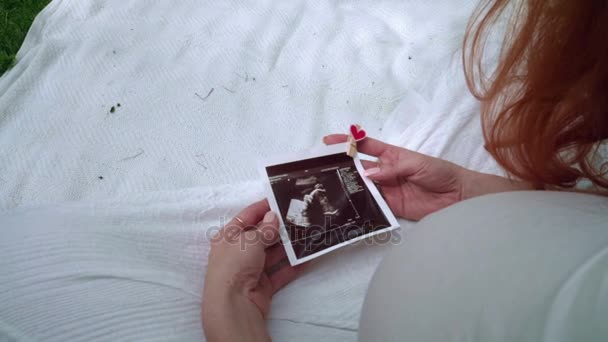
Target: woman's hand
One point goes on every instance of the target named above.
(246, 267)
(415, 185)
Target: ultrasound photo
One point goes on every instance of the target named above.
(324, 203)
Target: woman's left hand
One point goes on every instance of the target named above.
(247, 266)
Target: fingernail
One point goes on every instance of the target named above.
(269, 217)
(325, 140)
(371, 171)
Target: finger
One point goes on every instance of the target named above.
(410, 166)
(274, 255)
(369, 146)
(370, 168)
(278, 269)
(367, 164)
(251, 215)
(333, 139)
(269, 229)
(265, 234)
(284, 275)
(254, 238)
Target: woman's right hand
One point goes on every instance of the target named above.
(415, 185)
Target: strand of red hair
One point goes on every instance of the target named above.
(545, 105)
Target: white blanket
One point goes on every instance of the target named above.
(206, 88)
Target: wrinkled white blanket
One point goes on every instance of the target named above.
(205, 88)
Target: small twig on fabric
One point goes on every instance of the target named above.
(139, 153)
(229, 90)
(206, 97)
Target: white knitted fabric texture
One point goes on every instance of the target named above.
(206, 88)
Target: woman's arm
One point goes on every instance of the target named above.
(478, 184)
(415, 185)
(230, 316)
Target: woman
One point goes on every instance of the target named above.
(544, 114)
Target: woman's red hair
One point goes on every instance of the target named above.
(545, 105)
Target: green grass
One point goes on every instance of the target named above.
(16, 17)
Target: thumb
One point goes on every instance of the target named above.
(380, 174)
(269, 229)
(408, 165)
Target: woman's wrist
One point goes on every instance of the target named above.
(228, 315)
(478, 184)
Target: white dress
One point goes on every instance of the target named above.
(509, 267)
